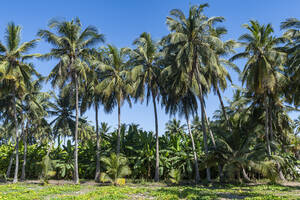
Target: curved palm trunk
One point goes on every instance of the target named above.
(246, 177)
(76, 175)
(17, 141)
(97, 176)
(25, 151)
(10, 163)
(281, 175)
(119, 129)
(197, 177)
(156, 177)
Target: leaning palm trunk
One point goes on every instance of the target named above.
(246, 177)
(156, 177)
(97, 175)
(10, 163)
(17, 141)
(197, 177)
(119, 129)
(25, 151)
(209, 130)
(281, 175)
(76, 175)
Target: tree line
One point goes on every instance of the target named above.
(252, 136)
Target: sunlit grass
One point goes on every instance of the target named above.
(24, 191)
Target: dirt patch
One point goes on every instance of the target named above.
(83, 190)
(140, 196)
(291, 184)
(61, 182)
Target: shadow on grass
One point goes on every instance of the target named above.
(196, 193)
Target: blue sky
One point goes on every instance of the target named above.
(122, 21)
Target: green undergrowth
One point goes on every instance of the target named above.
(23, 191)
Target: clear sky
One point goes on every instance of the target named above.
(122, 21)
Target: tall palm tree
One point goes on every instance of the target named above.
(265, 60)
(146, 72)
(71, 48)
(262, 72)
(16, 73)
(179, 97)
(292, 89)
(195, 48)
(115, 84)
(93, 96)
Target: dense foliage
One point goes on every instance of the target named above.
(251, 137)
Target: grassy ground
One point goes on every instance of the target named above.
(88, 190)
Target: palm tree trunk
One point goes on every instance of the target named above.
(214, 144)
(97, 176)
(246, 177)
(197, 177)
(76, 175)
(281, 175)
(156, 177)
(209, 130)
(267, 126)
(17, 140)
(119, 129)
(202, 112)
(223, 108)
(10, 163)
(25, 150)
(270, 120)
(208, 176)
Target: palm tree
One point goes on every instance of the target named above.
(115, 84)
(195, 48)
(116, 167)
(262, 71)
(71, 47)
(146, 73)
(174, 127)
(92, 97)
(16, 73)
(62, 111)
(292, 88)
(179, 97)
(35, 106)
